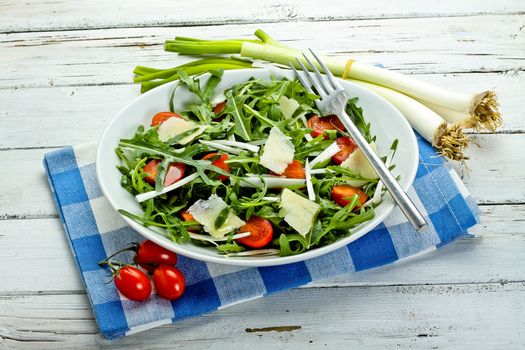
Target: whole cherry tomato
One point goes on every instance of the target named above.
(151, 255)
(169, 282)
(133, 283)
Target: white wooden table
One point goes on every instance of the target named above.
(65, 70)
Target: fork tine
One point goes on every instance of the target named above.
(327, 88)
(301, 79)
(312, 81)
(335, 83)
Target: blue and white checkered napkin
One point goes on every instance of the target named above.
(95, 231)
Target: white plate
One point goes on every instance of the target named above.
(387, 124)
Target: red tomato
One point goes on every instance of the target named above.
(343, 194)
(219, 107)
(175, 172)
(133, 283)
(150, 255)
(186, 216)
(169, 282)
(320, 124)
(161, 117)
(261, 232)
(219, 163)
(347, 146)
(295, 170)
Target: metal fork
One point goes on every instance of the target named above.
(333, 101)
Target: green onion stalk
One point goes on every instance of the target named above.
(478, 111)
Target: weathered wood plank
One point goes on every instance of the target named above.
(80, 114)
(483, 316)
(495, 256)
(459, 44)
(59, 15)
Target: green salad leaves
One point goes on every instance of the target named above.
(251, 109)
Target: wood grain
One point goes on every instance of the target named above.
(100, 57)
(43, 15)
(483, 316)
(66, 71)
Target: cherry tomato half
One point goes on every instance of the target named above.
(347, 146)
(161, 117)
(295, 170)
(186, 216)
(133, 283)
(219, 163)
(261, 232)
(169, 282)
(175, 172)
(219, 107)
(343, 194)
(320, 124)
(151, 255)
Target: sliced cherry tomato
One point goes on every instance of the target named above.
(151, 255)
(175, 172)
(320, 124)
(261, 232)
(133, 283)
(219, 163)
(161, 117)
(169, 282)
(343, 194)
(219, 107)
(186, 216)
(295, 170)
(347, 146)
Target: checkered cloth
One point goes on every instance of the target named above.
(95, 231)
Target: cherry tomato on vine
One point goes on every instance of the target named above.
(133, 283)
(151, 255)
(169, 282)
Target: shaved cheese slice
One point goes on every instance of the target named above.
(299, 212)
(206, 213)
(358, 163)
(176, 126)
(278, 152)
(288, 106)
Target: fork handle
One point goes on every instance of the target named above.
(406, 205)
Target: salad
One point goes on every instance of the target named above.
(252, 170)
